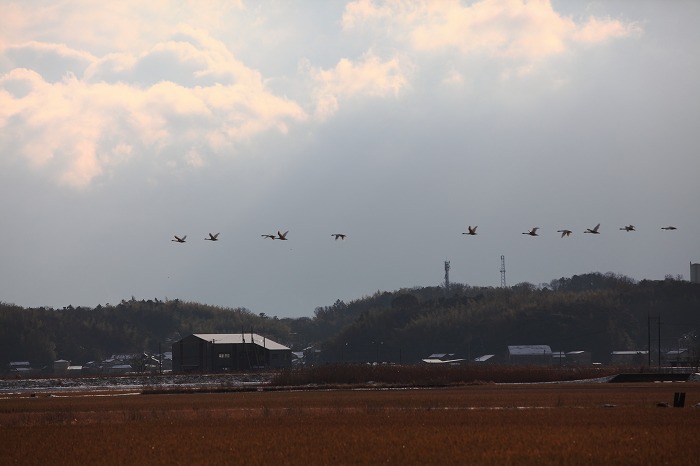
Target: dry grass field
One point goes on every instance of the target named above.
(476, 424)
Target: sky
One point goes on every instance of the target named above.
(398, 123)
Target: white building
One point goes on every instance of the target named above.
(694, 273)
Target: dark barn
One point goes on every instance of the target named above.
(223, 352)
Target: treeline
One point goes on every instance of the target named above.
(82, 334)
(593, 312)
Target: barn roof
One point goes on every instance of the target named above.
(238, 338)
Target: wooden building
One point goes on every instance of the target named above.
(223, 352)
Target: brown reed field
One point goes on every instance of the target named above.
(470, 424)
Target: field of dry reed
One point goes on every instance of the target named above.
(474, 424)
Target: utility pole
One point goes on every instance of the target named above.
(447, 276)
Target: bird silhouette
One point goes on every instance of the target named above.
(178, 239)
(269, 236)
(628, 228)
(564, 233)
(339, 236)
(212, 237)
(669, 228)
(593, 230)
(471, 230)
(282, 236)
(532, 232)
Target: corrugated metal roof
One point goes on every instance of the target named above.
(442, 356)
(238, 338)
(529, 350)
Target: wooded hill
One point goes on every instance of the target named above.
(593, 312)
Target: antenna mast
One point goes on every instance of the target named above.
(447, 275)
(503, 271)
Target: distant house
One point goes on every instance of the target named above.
(634, 357)
(559, 358)
(60, 366)
(20, 367)
(119, 369)
(216, 352)
(529, 354)
(579, 357)
(677, 357)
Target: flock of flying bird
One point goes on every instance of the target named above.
(280, 236)
(471, 231)
(533, 232)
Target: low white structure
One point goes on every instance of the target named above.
(530, 354)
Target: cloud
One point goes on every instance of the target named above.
(596, 31)
(511, 29)
(368, 76)
(79, 101)
(105, 111)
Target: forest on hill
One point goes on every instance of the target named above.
(593, 312)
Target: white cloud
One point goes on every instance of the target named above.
(513, 29)
(178, 95)
(369, 76)
(596, 30)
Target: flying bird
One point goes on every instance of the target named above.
(593, 230)
(212, 237)
(532, 232)
(471, 230)
(628, 228)
(269, 236)
(669, 228)
(338, 236)
(282, 236)
(178, 239)
(564, 233)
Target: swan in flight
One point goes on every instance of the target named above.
(593, 230)
(669, 228)
(564, 233)
(471, 230)
(628, 228)
(212, 237)
(178, 239)
(282, 236)
(338, 236)
(532, 232)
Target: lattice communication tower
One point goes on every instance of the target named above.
(503, 271)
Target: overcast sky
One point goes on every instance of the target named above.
(398, 123)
